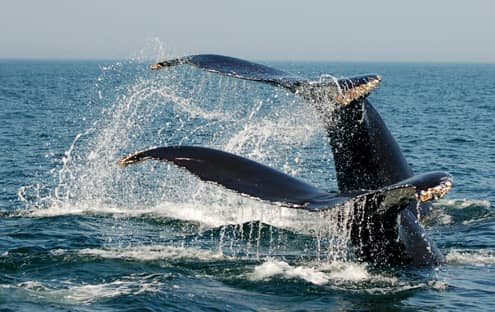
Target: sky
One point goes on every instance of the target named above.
(311, 30)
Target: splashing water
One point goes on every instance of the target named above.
(186, 106)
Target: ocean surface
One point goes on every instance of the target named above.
(80, 233)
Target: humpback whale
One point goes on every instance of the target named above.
(371, 170)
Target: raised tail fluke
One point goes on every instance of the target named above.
(342, 91)
(237, 68)
(253, 179)
(238, 174)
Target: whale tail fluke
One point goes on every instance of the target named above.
(258, 181)
(234, 67)
(239, 174)
(342, 91)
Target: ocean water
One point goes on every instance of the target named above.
(79, 233)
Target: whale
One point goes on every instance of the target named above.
(388, 200)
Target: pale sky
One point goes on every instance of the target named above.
(326, 30)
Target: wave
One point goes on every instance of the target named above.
(154, 252)
(70, 292)
(215, 209)
(459, 211)
(348, 276)
(318, 275)
(462, 203)
(471, 257)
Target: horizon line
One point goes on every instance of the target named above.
(296, 60)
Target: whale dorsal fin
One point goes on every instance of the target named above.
(342, 91)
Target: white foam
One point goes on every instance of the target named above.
(94, 292)
(334, 273)
(438, 216)
(33, 285)
(61, 209)
(86, 293)
(58, 251)
(347, 271)
(462, 203)
(446, 212)
(445, 219)
(471, 257)
(273, 268)
(155, 252)
(229, 209)
(404, 286)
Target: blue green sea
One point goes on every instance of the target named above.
(80, 233)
